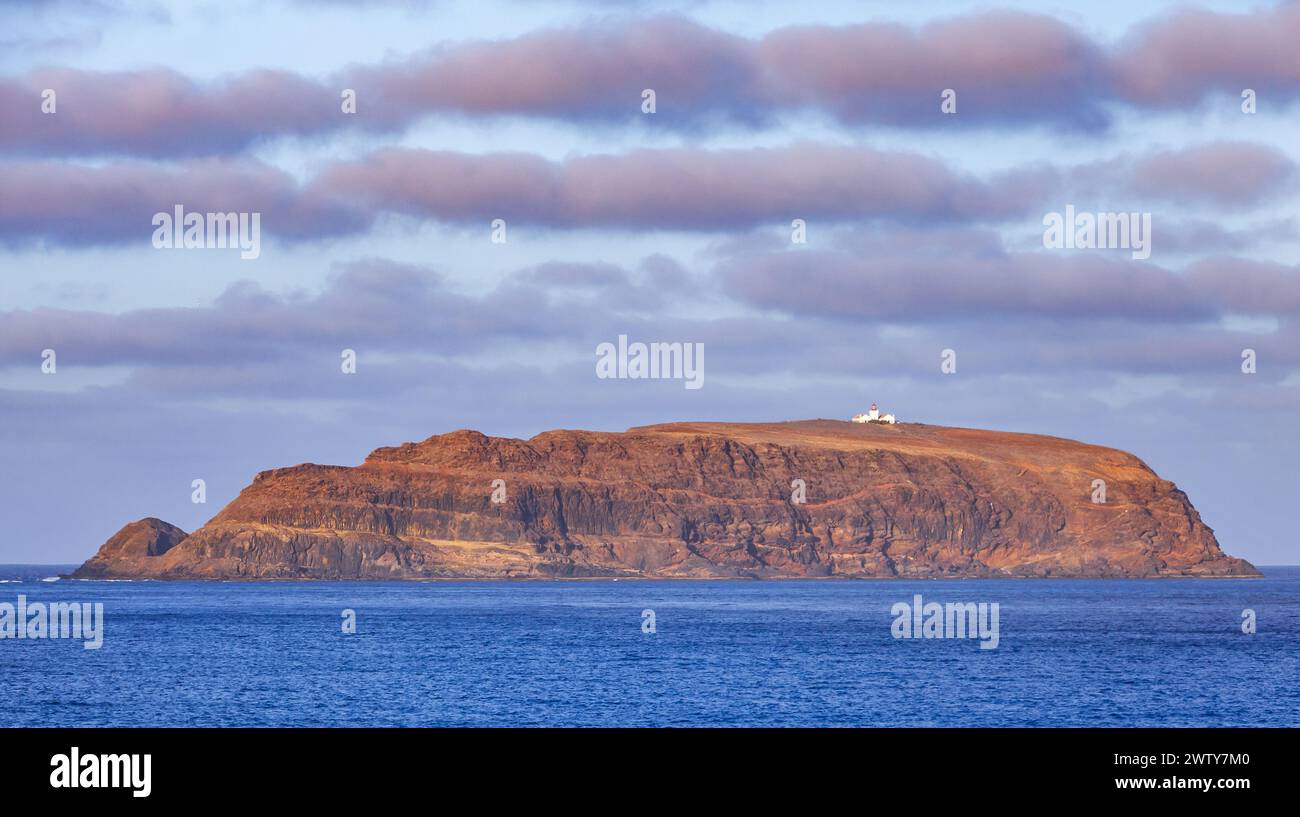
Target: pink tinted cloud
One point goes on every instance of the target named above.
(594, 72)
(686, 189)
(1249, 287)
(1180, 59)
(673, 189)
(158, 112)
(1227, 173)
(1234, 173)
(1006, 67)
(83, 205)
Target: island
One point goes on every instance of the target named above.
(799, 499)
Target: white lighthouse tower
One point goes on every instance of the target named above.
(873, 415)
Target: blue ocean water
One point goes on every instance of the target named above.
(781, 653)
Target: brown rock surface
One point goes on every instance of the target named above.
(132, 549)
(698, 500)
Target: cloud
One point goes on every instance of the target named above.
(1005, 66)
(798, 310)
(1180, 59)
(1008, 68)
(678, 189)
(961, 286)
(159, 112)
(1195, 236)
(82, 205)
(1224, 173)
(374, 304)
(953, 276)
(594, 72)
(686, 189)
(1249, 287)
(1234, 173)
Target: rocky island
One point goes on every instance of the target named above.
(816, 498)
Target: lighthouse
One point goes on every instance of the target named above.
(873, 415)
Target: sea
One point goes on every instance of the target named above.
(1073, 653)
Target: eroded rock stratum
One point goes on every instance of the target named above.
(696, 500)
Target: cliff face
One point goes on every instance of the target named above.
(699, 500)
(132, 550)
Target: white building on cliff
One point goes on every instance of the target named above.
(873, 415)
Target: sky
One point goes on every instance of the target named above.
(922, 234)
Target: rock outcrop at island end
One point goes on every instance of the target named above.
(132, 550)
(696, 500)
